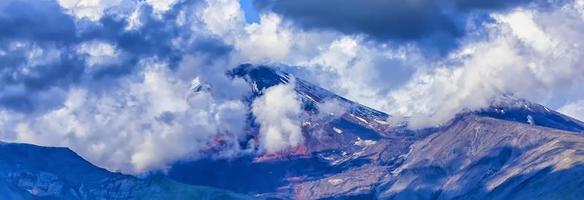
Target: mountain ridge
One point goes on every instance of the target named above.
(34, 172)
(338, 153)
(514, 149)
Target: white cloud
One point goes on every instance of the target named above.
(223, 18)
(8, 121)
(149, 122)
(99, 53)
(574, 109)
(94, 10)
(532, 54)
(527, 53)
(161, 6)
(89, 9)
(331, 108)
(349, 65)
(265, 41)
(278, 112)
(362, 71)
(523, 27)
(36, 55)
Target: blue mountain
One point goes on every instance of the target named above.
(35, 172)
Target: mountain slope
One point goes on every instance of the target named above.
(514, 149)
(34, 172)
(332, 144)
(484, 158)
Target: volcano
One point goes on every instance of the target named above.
(513, 149)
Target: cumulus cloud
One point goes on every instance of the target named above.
(99, 53)
(527, 53)
(45, 48)
(34, 52)
(537, 59)
(161, 6)
(349, 65)
(150, 121)
(91, 10)
(94, 10)
(264, 42)
(278, 112)
(119, 95)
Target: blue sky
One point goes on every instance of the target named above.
(251, 14)
(77, 73)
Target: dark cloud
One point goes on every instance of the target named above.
(38, 20)
(440, 20)
(467, 5)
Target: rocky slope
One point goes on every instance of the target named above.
(485, 158)
(513, 150)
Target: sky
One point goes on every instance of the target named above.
(115, 80)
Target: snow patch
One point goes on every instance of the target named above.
(530, 120)
(335, 181)
(337, 130)
(363, 143)
(360, 119)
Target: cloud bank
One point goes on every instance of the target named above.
(527, 54)
(152, 120)
(115, 81)
(520, 50)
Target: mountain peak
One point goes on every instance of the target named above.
(523, 111)
(259, 76)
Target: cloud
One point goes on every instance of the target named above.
(349, 65)
(99, 53)
(46, 46)
(574, 109)
(278, 112)
(331, 108)
(34, 52)
(94, 10)
(161, 6)
(537, 59)
(434, 22)
(527, 54)
(139, 62)
(120, 78)
(38, 20)
(148, 123)
(91, 10)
